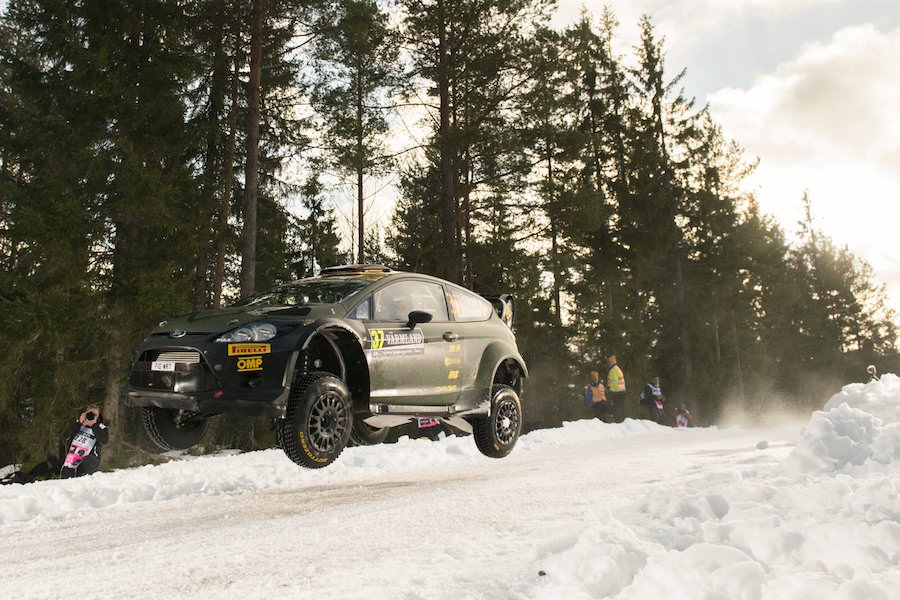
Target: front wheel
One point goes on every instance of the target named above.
(173, 429)
(319, 418)
(496, 434)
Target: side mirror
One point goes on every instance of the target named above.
(418, 316)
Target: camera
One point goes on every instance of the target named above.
(90, 415)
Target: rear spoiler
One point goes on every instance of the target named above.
(505, 305)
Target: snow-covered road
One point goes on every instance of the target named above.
(589, 510)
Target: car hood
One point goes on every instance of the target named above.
(220, 321)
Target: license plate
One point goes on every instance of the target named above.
(162, 365)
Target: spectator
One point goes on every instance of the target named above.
(873, 373)
(652, 399)
(80, 448)
(83, 441)
(595, 398)
(615, 387)
(683, 417)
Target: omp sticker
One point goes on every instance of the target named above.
(448, 361)
(249, 363)
(248, 349)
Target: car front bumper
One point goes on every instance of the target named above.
(217, 383)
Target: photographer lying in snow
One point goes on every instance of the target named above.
(79, 448)
(83, 440)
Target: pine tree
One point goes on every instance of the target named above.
(664, 128)
(317, 233)
(356, 53)
(470, 55)
(414, 236)
(105, 186)
(251, 171)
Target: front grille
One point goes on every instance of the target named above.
(191, 372)
(185, 357)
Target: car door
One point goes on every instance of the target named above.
(408, 365)
(471, 314)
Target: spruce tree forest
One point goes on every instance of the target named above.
(159, 157)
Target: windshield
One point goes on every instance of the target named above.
(306, 292)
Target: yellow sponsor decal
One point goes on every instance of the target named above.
(454, 347)
(453, 375)
(248, 349)
(309, 452)
(446, 388)
(452, 361)
(377, 338)
(249, 363)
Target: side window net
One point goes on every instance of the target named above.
(363, 310)
(466, 306)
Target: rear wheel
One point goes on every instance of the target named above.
(363, 434)
(173, 429)
(319, 418)
(496, 434)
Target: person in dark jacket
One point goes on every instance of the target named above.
(79, 449)
(652, 399)
(82, 442)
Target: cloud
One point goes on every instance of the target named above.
(827, 121)
(834, 100)
(684, 22)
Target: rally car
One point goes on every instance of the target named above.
(342, 356)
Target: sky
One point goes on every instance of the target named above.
(804, 508)
(811, 88)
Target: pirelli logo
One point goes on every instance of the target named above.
(248, 349)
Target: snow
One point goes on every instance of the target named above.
(587, 510)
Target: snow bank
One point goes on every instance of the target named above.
(822, 523)
(859, 429)
(221, 475)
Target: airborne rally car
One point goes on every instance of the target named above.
(345, 355)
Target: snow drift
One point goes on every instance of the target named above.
(858, 430)
(588, 510)
(823, 523)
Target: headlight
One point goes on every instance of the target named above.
(255, 332)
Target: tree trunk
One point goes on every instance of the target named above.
(211, 176)
(737, 358)
(359, 171)
(446, 147)
(251, 178)
(225, 207)
(467, 223)
(554, 241)
(716, 333)
(684, 337)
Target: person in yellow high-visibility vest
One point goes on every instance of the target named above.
(615, 388)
